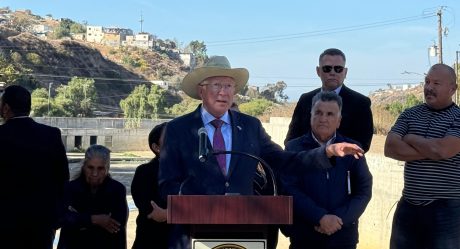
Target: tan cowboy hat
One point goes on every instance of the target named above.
(215, 66)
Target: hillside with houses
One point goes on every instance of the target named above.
(46, 52)
(116, 58)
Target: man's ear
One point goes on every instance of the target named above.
(340, 121)
(5, 111)
(155, 148)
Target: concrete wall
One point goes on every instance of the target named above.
(375, 223)
(115, 139)
(106, 131)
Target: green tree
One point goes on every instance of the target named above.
(199, 50)
(187, 105)
(275, 92)
(255, 107)
(39, 102)
(12, 75)
(77, 97)
(16, 57)
(76, 28)
(60, 32)
(397, 108)
(67, 27)
(34, 58)
(143, 102)
(157, 100)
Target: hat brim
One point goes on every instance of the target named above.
(190, 82)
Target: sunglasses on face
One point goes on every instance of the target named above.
(328, 69)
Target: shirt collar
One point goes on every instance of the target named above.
(208, 117)
(330, 141)
(337, 90)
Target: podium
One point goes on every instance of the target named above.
(223, 221)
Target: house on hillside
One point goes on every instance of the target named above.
(115, 36)
(188, 59)
(94, 34)
(161, 83)
(141, 40)
(79, 36)
(26, 12)
(41, 30)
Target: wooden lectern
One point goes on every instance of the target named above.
(230, 217)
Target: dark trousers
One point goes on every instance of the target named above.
(434, 226)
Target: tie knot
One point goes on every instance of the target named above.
(217, 123)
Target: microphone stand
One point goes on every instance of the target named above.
(264, 164)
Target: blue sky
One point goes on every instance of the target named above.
(281, 40)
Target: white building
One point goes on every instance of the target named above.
(94, 34)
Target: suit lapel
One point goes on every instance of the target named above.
(237, 138)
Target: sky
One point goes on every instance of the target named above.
(385, 42)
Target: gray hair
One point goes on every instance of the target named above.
(96, 151)
(327, 96)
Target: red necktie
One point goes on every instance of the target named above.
(218, 144)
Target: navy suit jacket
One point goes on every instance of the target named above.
(356, 123)
(181, 170)
(318, 192)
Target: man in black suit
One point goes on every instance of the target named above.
(181, 171)
(357, 122)
(34, 169)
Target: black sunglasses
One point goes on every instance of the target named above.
(328, 69)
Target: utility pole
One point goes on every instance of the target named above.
(141, 21)
(440, 34)
(456, 78)
(49, 96)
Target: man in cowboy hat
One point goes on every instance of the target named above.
(181, 171)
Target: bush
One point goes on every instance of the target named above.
(34, 58)
(397, 108)
(256, 107)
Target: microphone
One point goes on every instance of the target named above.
(203, 144)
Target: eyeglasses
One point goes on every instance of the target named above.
(328, 69)
(216, 87)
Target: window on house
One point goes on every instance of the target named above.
(92, 140)
(78, 142)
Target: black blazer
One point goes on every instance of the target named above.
(144, 188)
(356, 123)
(180, 168)
(34, 170)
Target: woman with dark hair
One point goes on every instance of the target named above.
(96, 209)
(152, 230)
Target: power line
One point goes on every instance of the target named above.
(121, 81)
(319, 32)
